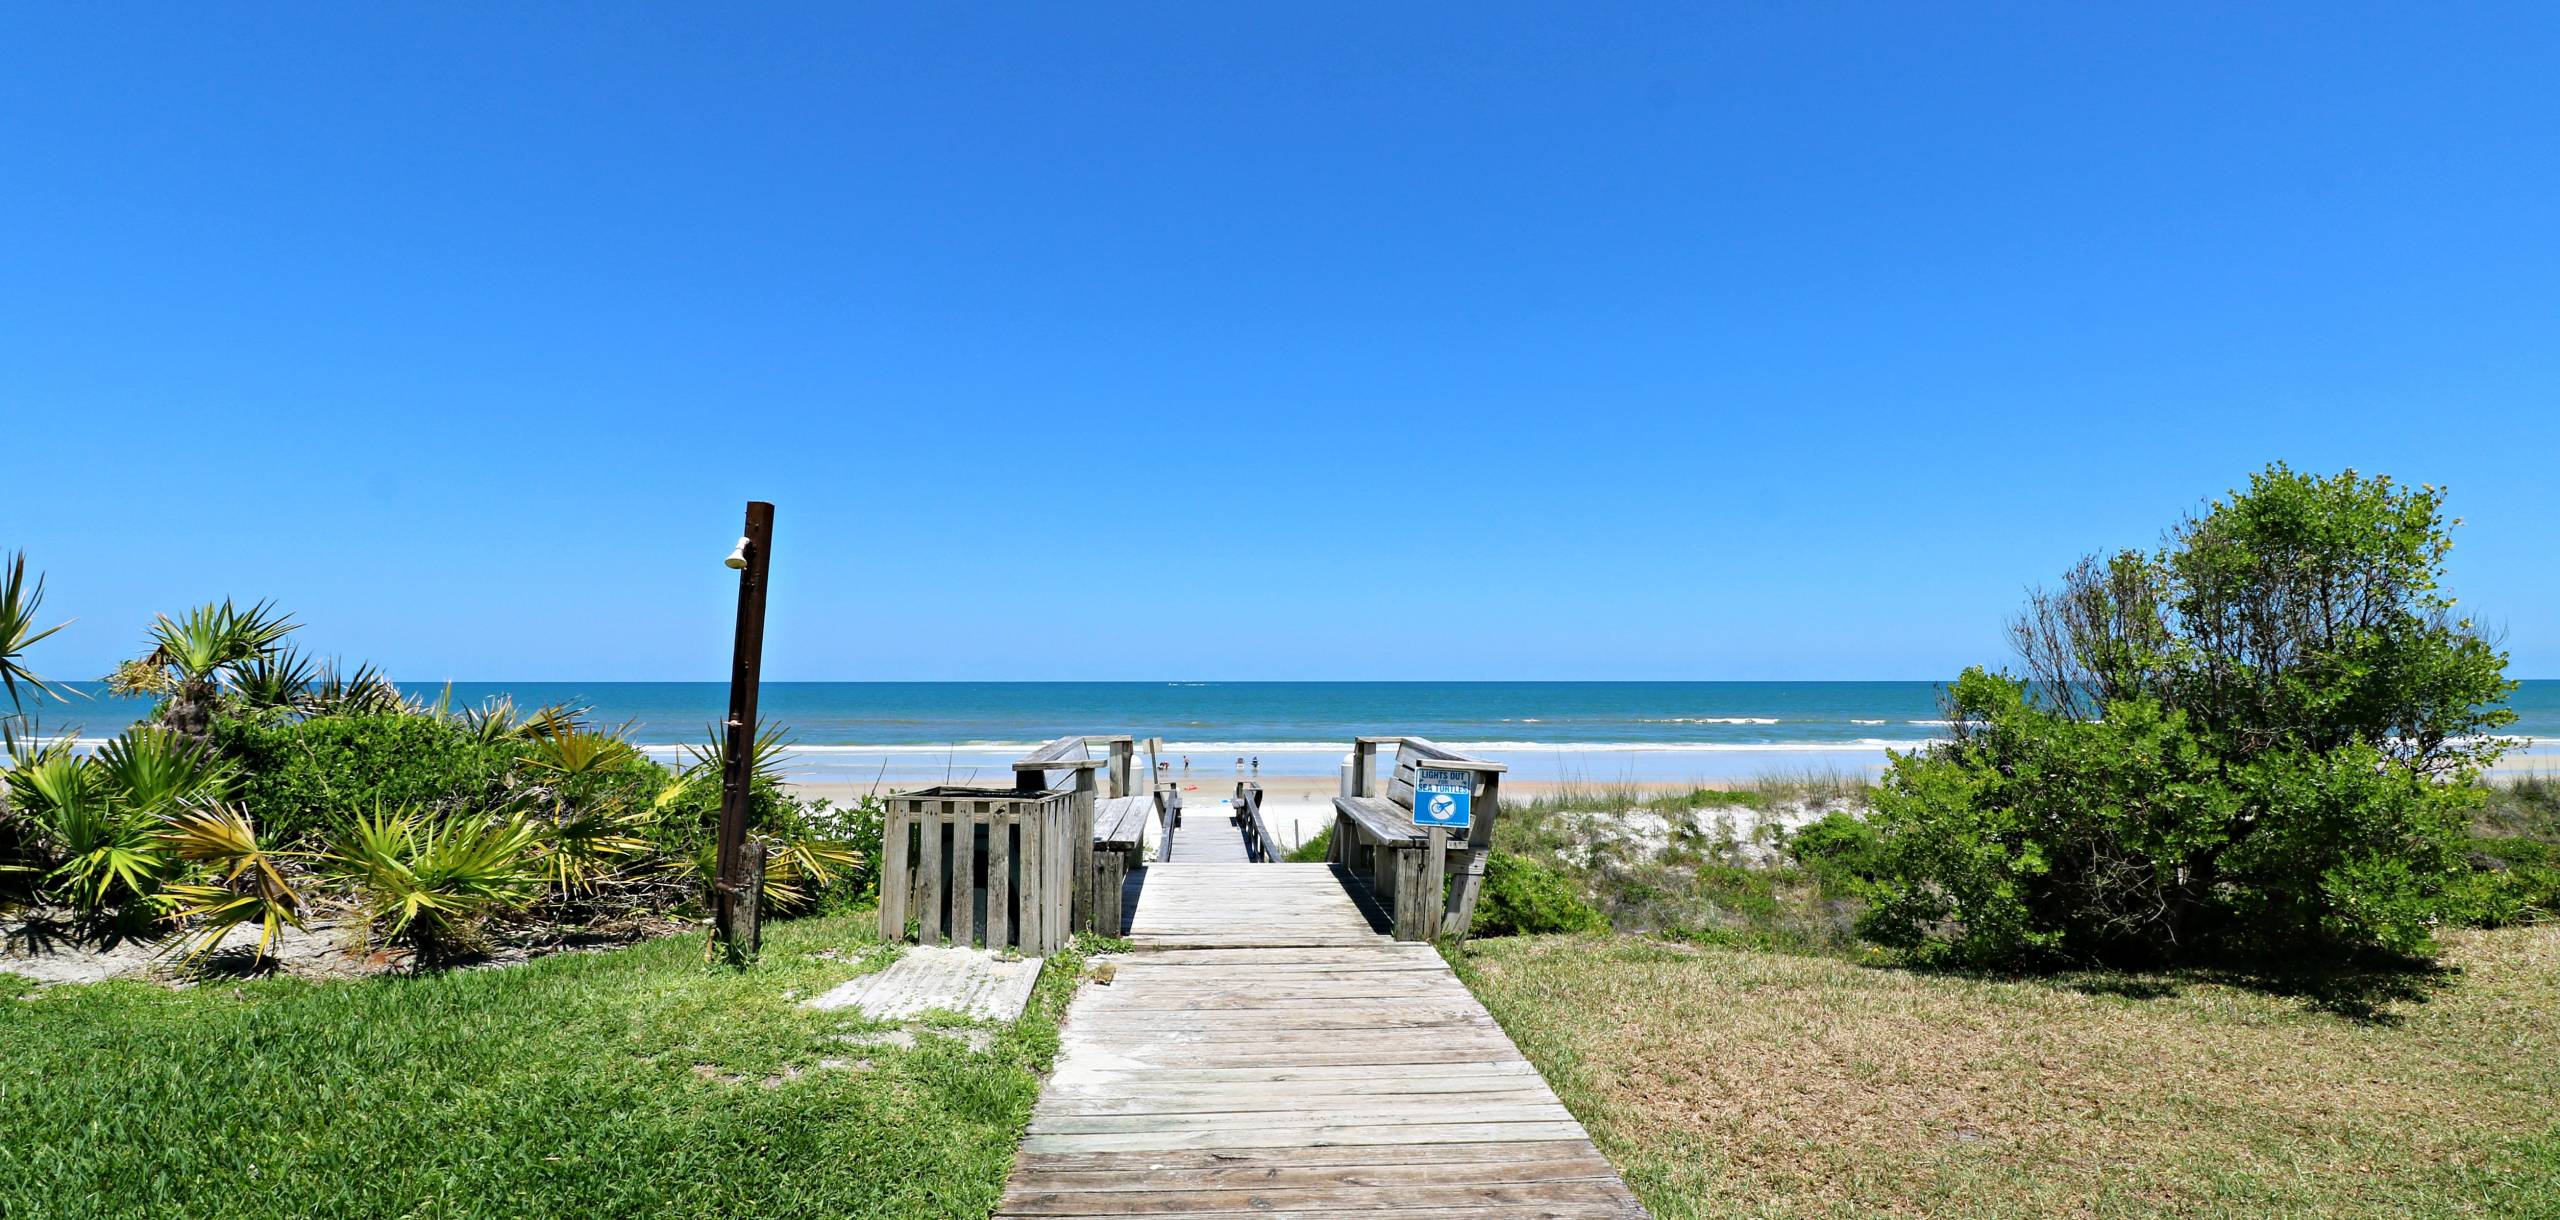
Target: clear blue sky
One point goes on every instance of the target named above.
(1291, 341)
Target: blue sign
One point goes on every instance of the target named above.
(1442, 798)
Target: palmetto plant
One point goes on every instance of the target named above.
(583, 848)
(796, 867)
(574, 752)
(800, 866)
(497, 720)
(190, 653)
(430, 883)
(105, 856)
(279, 679)
(364, 692)
(241, 883)
(155, 771)
(765, 756)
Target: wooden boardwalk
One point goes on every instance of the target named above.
(1208, 837)
(1266, 1051)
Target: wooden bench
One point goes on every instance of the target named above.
(1113, 826)
(1424, 877)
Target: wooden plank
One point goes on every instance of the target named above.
(1557, 1211)
(1109, 889)
(1435, 882)
(964, 874)
(929, 863)
(1511, 1197)
(1000, 877)
(1382, 819)
(1317, 1155)
(1033, 935)
(1088, 896)
(893, 871)
(1348, 1132)
(1062, 842)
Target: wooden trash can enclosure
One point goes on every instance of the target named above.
(991, 867)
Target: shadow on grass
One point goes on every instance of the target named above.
(2370, 991)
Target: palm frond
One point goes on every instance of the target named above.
(242, 882)
(581, 850)
(281, 678)
(215, 635)
(579, 751)
(154, 771)
(20, 606)
(769, 752)
(364, 692)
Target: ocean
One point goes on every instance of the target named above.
(1592, 731)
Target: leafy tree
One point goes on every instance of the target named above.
(2260, 737)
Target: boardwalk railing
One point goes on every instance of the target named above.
(1426, 878)
(1087, 844)
(1168, 798)
(1257, 837)
(979, 866)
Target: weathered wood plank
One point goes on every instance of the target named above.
(894, 882)
(1000, 880)
(1348, 1132)
(964, 874)
(1319, 1155)
(935, 825)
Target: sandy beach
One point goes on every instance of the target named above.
(1295, 807)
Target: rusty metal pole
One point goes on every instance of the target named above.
(738, 881)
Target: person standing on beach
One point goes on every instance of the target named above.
(1239, 766)
(1257, 766)
(1186, 766)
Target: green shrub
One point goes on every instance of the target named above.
(1316, 850)
(307, 777)
(1840, 849)
(1522, 897)
(2260, 739)
(2512, 881)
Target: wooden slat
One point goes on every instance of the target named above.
(937, 824)
(1000, 879)
(1034, 933)
(964, 875)
(894, 879)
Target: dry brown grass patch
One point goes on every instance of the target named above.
(1731, 1082)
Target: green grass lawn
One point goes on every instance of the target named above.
(639, 1082)
(1727, 1082)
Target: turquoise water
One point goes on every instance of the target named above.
(1594, 730)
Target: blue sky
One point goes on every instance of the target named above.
(1307, 341)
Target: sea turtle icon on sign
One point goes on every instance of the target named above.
(1442, 798)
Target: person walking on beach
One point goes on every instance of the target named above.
(1239, 766)
(1257, 766)
(1186, 766)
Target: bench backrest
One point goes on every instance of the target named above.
(1031, 771)
(1415, 753)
